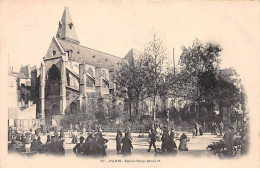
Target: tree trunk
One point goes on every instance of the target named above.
(130, 110)
(154, 106)
(198, 112)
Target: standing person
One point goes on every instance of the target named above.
(196, 128)
(62, 135)
(158, 133)
(33, 145)
(221, 126)
(118, 143)
(71, 130)
(79, 148)
(48, 139)
(172, 134)
(212, 128)
(229, 141)
(56, 133)
(119, 132)
(84, 130)
(194, 133)
(153, 140)
(90, 146)
(127, 145)
(183, 142)
(38, 143)
(101, 141)
(215, 128)
(165, 139)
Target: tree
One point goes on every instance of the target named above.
(198, 65)
(131, 83)
(227, 92)
(154, 69)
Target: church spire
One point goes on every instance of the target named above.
(66, 28)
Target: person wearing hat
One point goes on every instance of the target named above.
(79, 148)
(127, 145)
(152, 137)
(229, 141)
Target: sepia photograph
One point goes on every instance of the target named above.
(130, 83)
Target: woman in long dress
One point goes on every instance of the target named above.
(183, 142)
(127, 145)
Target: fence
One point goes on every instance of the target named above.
(24, 124)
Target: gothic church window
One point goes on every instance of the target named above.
(90, 80)
(54, 73)
(73, 108)
(54, 52)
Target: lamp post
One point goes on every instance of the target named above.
(168, 118)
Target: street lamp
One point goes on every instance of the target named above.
(168, 119)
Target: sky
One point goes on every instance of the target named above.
(115, 27)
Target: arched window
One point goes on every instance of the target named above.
(73, 108)
(55, 109)
(54, 73)
(54, 52)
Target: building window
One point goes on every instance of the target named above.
(53, 52)
(68, 79)
(90, 82)
(90, 72)
(69, 53)
(90, 78)
(104, 84)
(104, 75)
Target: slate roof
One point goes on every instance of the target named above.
(24, 72)
(91, 56)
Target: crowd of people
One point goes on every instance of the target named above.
(93, 144)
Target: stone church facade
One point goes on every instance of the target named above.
(73, 78)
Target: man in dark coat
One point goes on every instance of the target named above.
(153, 140)
(62, 135)
(165, 138)
(127, 145)
(229, 141)
(80, 147)
(101, 141)
(118, 143)
(33, 145)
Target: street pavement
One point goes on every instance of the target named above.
(197, 146)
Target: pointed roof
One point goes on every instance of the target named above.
(66, 29)
(133, 54)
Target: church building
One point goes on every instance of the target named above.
(73, 77)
